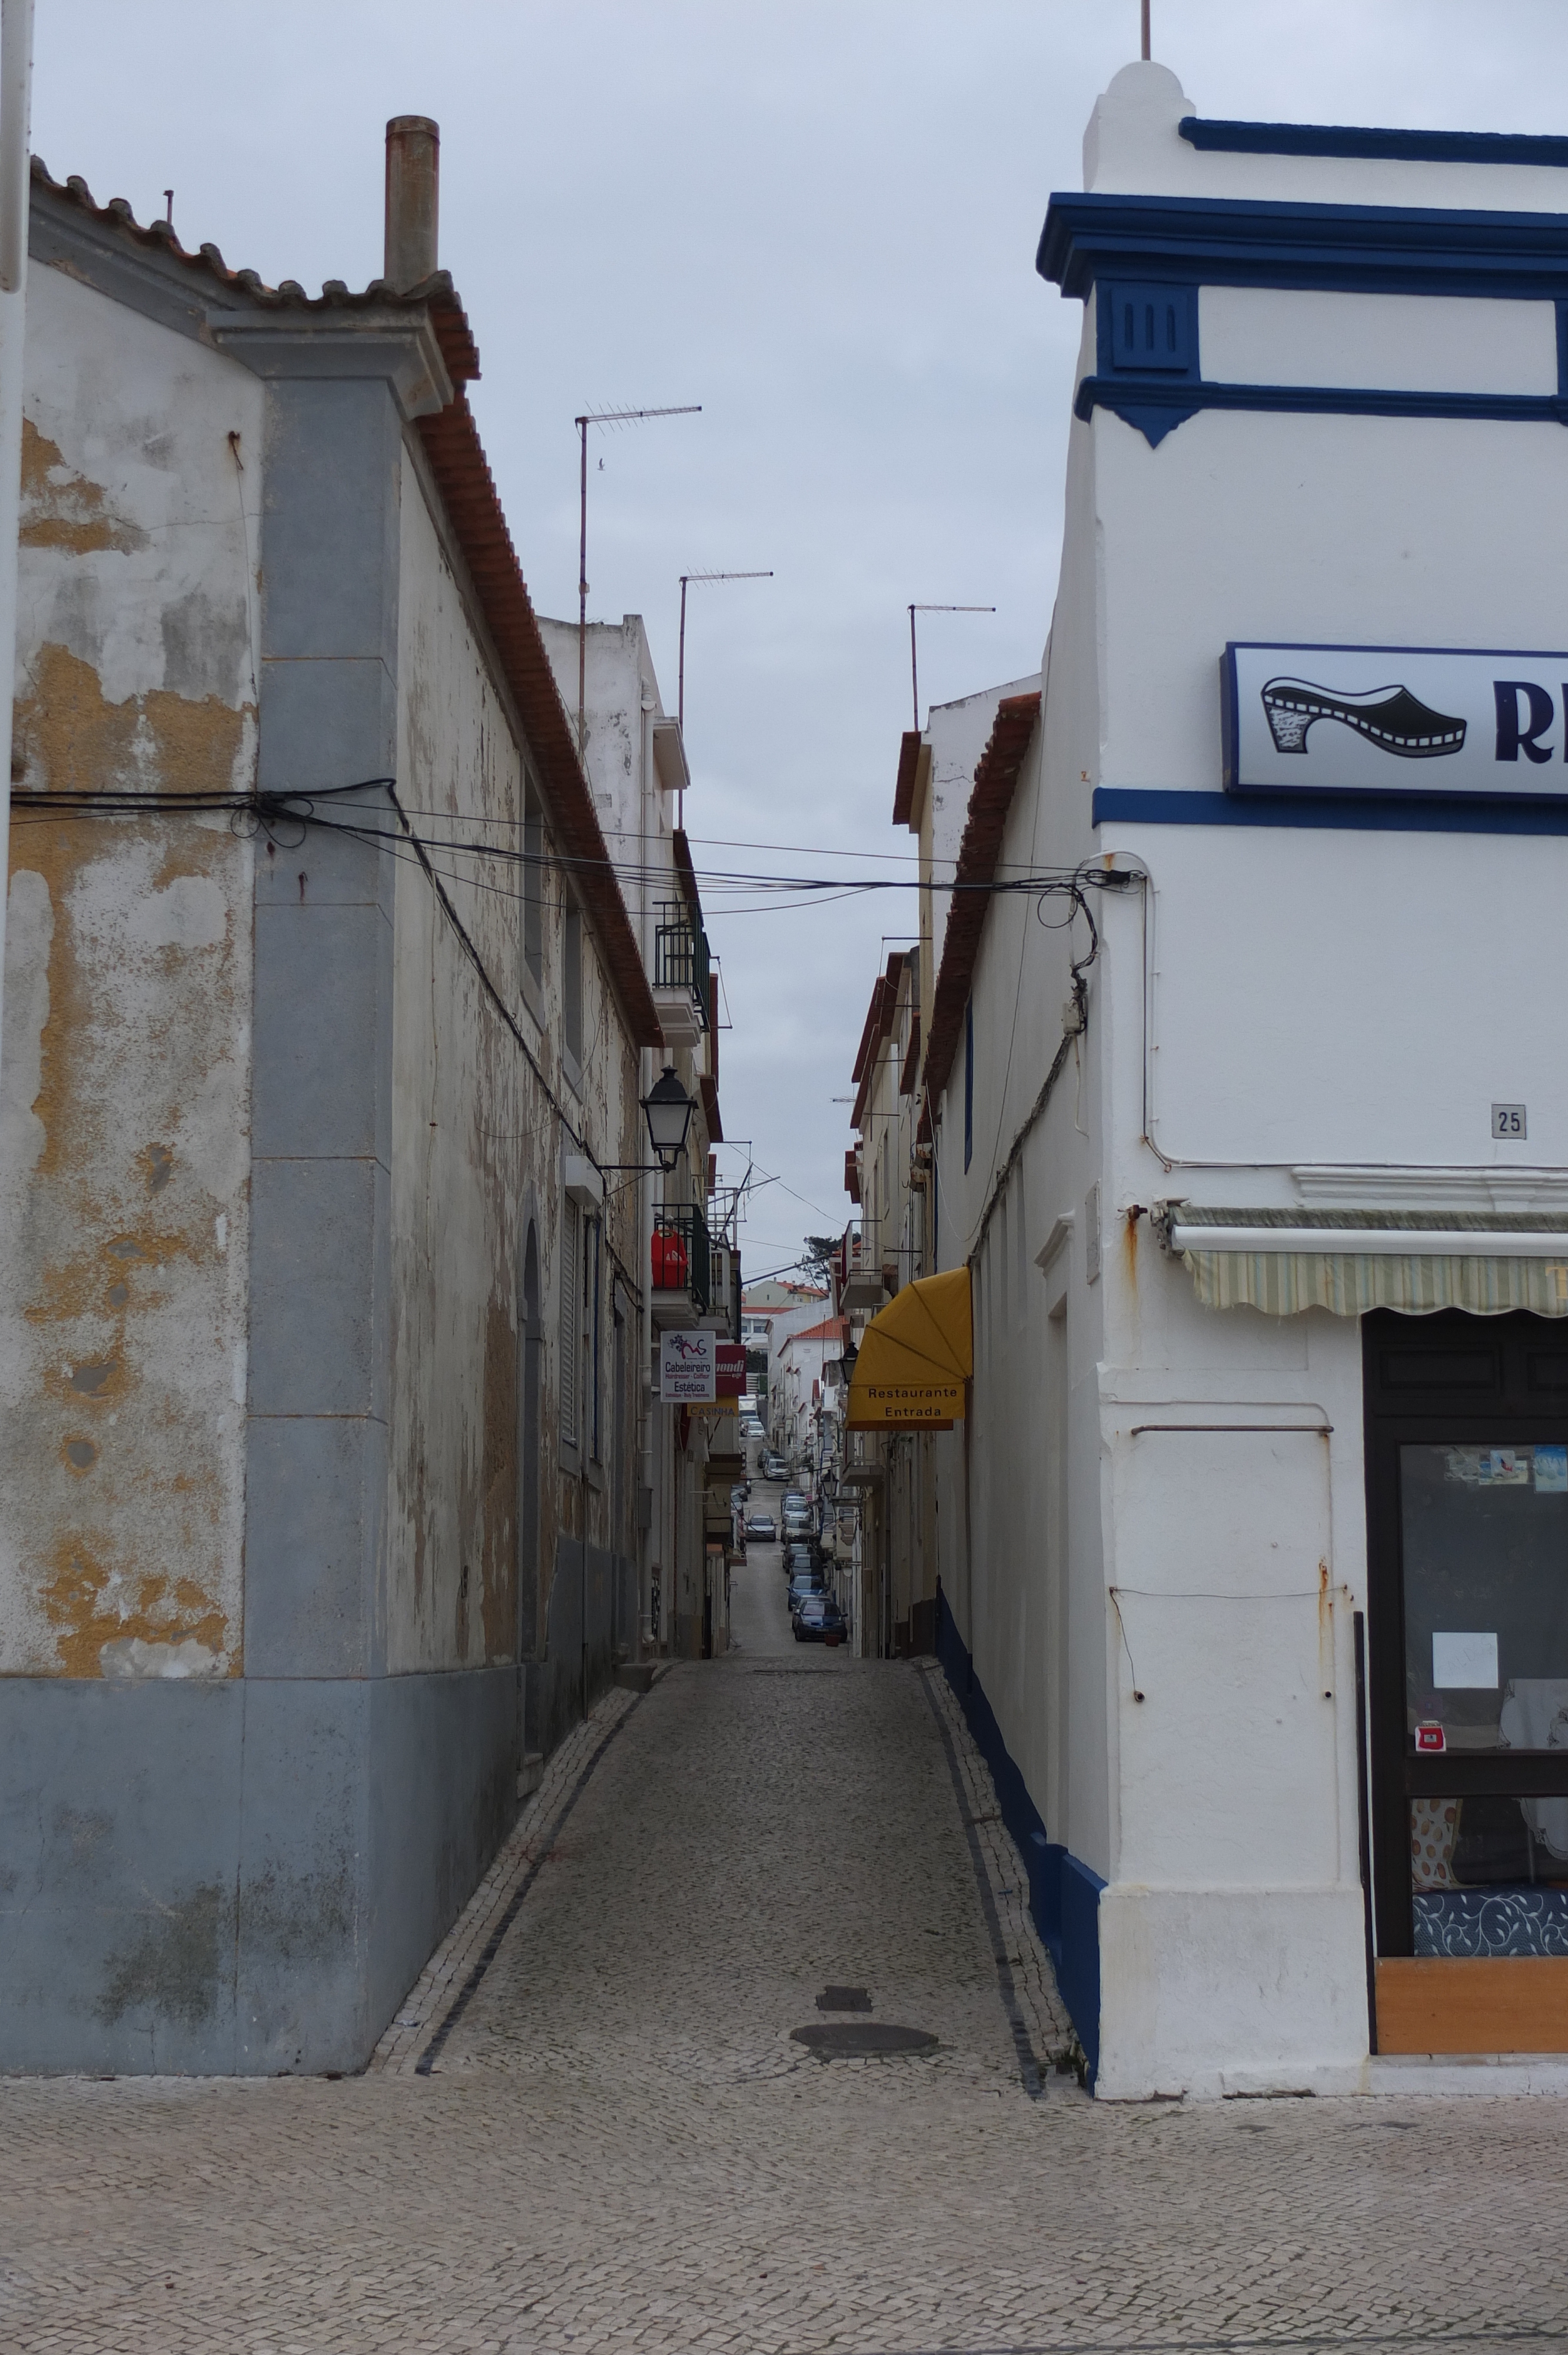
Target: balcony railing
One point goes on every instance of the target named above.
(681, 960)
(681, 1255)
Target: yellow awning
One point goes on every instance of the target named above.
(918, 1354)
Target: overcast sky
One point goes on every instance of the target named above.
(818, 219)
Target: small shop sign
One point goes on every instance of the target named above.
(687, 1369)
(1491, 723)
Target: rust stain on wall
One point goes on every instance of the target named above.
(74, 1125)
(61, 508)
(90, 1606)
(122, 1219)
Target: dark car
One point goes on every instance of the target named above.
(802, 1587)
(799, 1557)
(762, 1527)
(816, 1619)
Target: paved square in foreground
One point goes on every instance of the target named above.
(605, 2137)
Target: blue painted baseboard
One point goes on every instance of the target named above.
(1064, 1894)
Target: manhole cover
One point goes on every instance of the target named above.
(843, 1998)
(856, 2040)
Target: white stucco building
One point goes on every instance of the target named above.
(1259, 1162)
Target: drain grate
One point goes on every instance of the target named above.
(853, 2039)
(841, 1998)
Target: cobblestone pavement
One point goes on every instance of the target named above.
(603, 2137)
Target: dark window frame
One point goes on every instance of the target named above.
(1478, 1393)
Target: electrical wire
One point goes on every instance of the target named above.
(272, 810)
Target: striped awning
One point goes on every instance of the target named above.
(1348, 1261)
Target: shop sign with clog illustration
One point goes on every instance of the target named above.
(1489, 724)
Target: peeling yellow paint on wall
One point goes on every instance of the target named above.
(91, 1606)
(67, 737)
(61, 508)
(129, 1227)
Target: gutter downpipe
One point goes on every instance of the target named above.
(16, 165)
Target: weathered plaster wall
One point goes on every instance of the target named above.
(123, 1153)
(478, 1149)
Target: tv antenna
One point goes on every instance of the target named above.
(601, 417)
(914, 664)
(1145, 29)
(681, 679)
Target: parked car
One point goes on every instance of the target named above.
(804, 1583)
(816, 1619)
(762, 1527)
(740, 1492)
(800, 1554)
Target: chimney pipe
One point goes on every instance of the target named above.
(413, 183)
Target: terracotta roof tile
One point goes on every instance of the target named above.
(996, 776)
(468, 490)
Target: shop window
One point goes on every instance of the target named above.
(1467, 1495)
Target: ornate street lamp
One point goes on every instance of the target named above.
(668, 1109)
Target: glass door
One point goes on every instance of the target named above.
(1467, 1526)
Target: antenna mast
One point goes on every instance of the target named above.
(914, 663)
(600, 417)
(680, 688)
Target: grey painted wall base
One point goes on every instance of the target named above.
(240, 1878)
(585, 1621)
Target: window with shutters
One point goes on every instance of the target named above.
(571, 1315)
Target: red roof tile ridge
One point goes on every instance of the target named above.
(436, 294)
(910, 745)
(995, 780)
(468, 489)
(830, 1329)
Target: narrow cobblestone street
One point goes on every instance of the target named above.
(592, 2129)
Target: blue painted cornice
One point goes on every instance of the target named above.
(1355, 249)
(1349, 140)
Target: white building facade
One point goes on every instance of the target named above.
(1259, 1159)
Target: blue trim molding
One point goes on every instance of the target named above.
(1342, 249)
(1347, 813)
(1064, 1894)
(1351, 140)
(1148, 256)
(1156, 407)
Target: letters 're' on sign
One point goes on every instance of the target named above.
(1396, 720)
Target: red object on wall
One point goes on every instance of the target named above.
(670, 1262)
(729, 1369)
